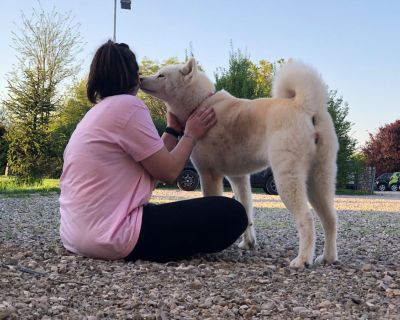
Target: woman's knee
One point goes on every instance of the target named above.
(234, 212)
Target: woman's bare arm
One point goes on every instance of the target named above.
(166, 165)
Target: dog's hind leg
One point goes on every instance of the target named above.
(289, 175)
(321, 194)
(242, 190)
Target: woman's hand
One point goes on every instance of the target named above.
(200, 122)
(173, 122)
(166, 165)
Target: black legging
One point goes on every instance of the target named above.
(178, 230)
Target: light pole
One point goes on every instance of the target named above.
(125, 4)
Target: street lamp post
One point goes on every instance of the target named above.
(125, 4)
(115, 19)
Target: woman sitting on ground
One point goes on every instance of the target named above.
(111, 164)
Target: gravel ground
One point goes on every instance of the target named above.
(40, 280)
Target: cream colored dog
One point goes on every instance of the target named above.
(292, 132)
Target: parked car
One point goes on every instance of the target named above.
(394, 183)
(189, 179)
(264, 179)
(382, 182)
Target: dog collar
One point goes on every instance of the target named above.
(208, 96)
(202, 101)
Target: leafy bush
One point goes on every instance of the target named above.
(382, 150)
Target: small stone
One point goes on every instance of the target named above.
(57, 309)
(251, 312)
(393, 292)
(300, 310)
(324, 304)
(208, 302)
(196, 284)
(268, 306)
(387, 278)
(370, 305)
(366, 267)
(5, 314)
(356, 299)
(382, 286)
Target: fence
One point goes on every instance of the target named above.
(365, 179)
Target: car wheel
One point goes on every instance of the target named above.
(270, 186)
(188, 180)
(394, 187)
(381, 187)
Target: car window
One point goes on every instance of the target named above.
(385, 176)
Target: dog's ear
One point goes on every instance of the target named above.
(190, 68)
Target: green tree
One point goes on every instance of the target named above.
(3, 148)
(264, 73)
(339, 111)
(28, 111)
(239, 79)
(46, 46)
(72, 110)
(245, 79)
(3, 142)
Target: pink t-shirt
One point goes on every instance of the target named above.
(103, 185)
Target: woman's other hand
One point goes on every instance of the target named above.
(200, 122)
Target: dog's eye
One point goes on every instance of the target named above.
(160, 76)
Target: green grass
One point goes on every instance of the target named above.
(351, 192)
(8, 186)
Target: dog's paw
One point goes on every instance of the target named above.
(249, 239)
(299, 263)
(324, 260)
(247, 245)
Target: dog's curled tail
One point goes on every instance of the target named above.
(298, 80)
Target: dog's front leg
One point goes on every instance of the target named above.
(211, 183)
(242, 190)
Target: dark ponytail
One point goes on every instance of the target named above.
(113, 71)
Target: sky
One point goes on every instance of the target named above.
(354, 44)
